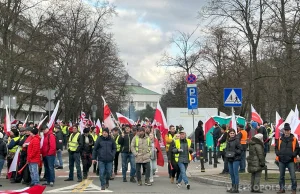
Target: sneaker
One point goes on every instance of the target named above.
(188, 186)
(68, 179)
(103, 188)
(107, 184)
(178, 185)
(125, 180)
(60, 167)
(51, 184)
(43, 179)
(151, 180)
(140, 183)
(79, 180)
(148, 183)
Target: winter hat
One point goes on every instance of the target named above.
(254, 125)
(224, 127)
(259, 136)
(287, 127)
(86, 130)
(34, 131)
(241, 126)
(106, 130)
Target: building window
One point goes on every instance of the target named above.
(141, 104)
(154, 104)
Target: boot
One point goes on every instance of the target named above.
(140, 183)
(293, 192)
(172, 180)
(281, 191)
(132, 179)
(229, 190)
(235, 189)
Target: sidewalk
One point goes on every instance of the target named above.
(212, 175)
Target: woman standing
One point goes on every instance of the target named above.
(233, 154)
(256, 161)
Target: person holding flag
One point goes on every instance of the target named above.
(12, 147)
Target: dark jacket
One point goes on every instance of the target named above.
(217, 133)
(224, 137)
(125, 142)
(256, 158)
(199, 134)
(264, 132)
(3, 149)
(171, 155)
(286, 153)
(104, 149)
(87, 148)
(59, 144)
(234, 145)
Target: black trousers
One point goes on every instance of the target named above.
(25, 175)
(147, 170)
(175, 171)
(116, 162)
(86, 163)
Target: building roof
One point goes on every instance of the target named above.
(131, 81)
(140, 90)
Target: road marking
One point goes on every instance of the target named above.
(95, 176)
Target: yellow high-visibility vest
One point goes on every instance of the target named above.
(73, 143)
(14, 149)
(95, 137)
(117, 144)
(137, 143)
(64, 130)
(177, 145)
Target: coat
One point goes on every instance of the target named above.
(59, 140)
(125, 142)
(3, 149)
(285, 152)
(105, 149)
(143, 152)
(49, 145)
(256, 158)
(234, 145)
(33, 150)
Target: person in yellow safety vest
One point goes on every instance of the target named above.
(222, 143)
(182, 151)
(287, 149)
(141, 149)
(116, 136)
(242, 135)
(95, 137)
(168, 139)
(65, 131)
(74, 148)
(12, 147)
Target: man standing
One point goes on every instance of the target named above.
(223, 143)
(33, 156)
(116, 136)
(168, 139)
(74, 148)
(86, 152)
(242, 135)
(48, 152)
(216, 135)
(199, 135)
(182, 149)
(64, 130)
(104, 150)
(141, 149)
(126, 154)
(286, 150)
(59, 147)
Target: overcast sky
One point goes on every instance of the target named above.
(143, 29)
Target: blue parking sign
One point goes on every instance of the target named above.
(192, 97)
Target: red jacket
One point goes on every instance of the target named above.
(33, 150)
(49, 145)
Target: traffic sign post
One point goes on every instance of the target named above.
(233, 97)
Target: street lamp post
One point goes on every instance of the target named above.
(130, 101)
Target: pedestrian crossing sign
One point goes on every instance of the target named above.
(233, 97)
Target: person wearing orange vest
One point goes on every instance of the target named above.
(286, 150)
(242, 135)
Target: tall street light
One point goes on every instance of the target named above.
(130, 102)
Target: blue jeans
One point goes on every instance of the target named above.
(58, 160)
(243, 161)
(105, 169)
(34, 173)
(291, 168)
(125, 158)
(49, 168)
(1, 165)
(234, 171)
(182, 175)
(74, 158)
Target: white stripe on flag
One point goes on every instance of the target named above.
(13, 166)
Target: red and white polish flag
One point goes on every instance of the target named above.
(160, 120)
(108, 121)
(255, 116)
(37, 189)
(98, 127)
(279, 121)
(124, 120)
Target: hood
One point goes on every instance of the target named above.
(200, 123)
(254, 140)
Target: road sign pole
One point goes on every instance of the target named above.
(193, 114)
